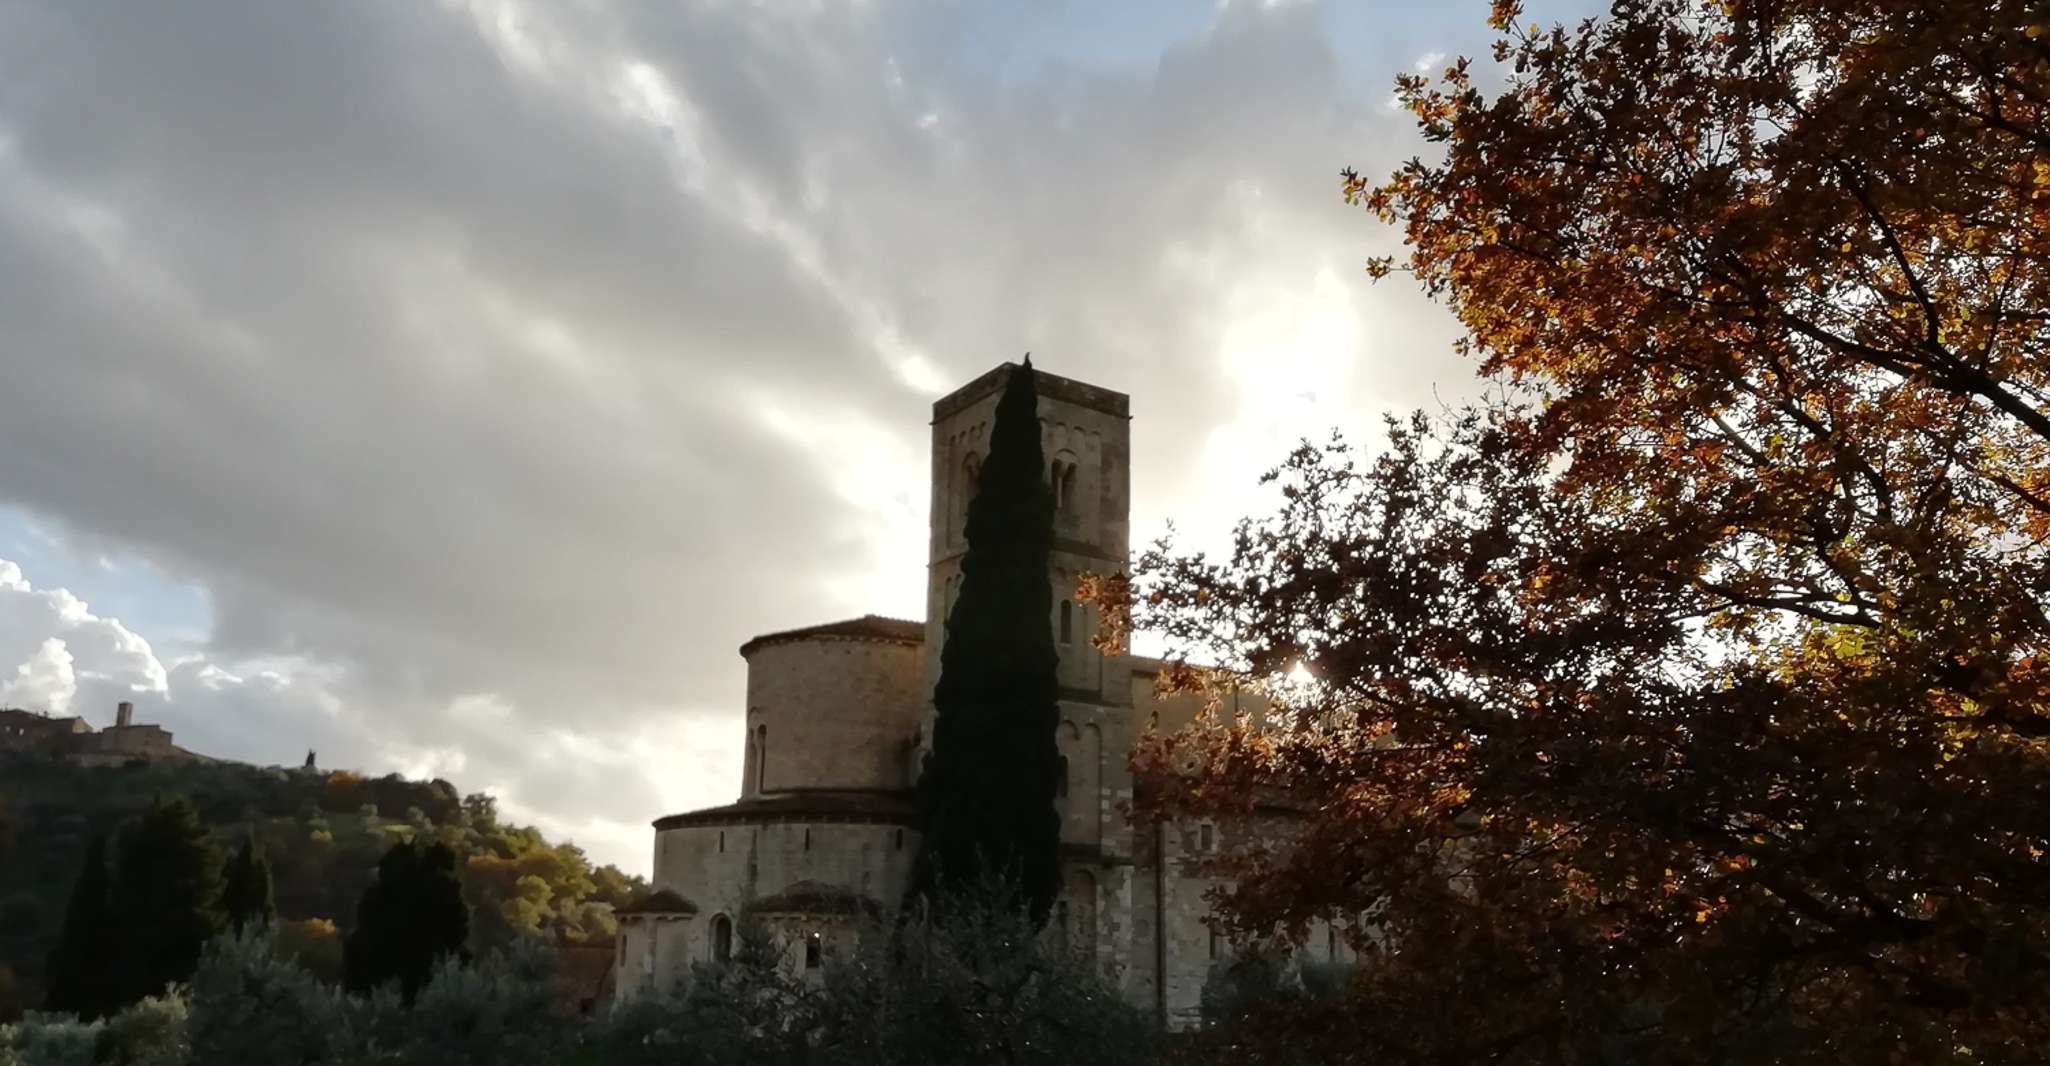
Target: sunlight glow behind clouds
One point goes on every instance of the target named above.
(495, 369)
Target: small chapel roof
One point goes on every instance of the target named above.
(867, 627)
(661, 901)
(804, 805)
(814, 897)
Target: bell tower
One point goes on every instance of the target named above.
(1085, 433)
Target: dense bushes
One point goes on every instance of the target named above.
(983, 989)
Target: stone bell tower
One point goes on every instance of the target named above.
(1085, 433)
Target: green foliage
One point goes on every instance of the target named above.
(165, 898)
(495, 1013)
(314, 944)
(250, 1005)
(982, 987)
(988, 789)
(50, 1040)
(247, 898)
(1241, 984)
(78, 978)
(411, 919)
(979, 984)
(1241, 989)
(320, 858)
(148, 1033)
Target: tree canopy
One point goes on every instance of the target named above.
(78, 964)
(247, 897)
(988, 790)
(410, 919)
(165, 900)
(320, 834)
(1688, 701)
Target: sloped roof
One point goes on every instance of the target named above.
(661, 901)
(815, 897)
(867, 627)
(826, 805)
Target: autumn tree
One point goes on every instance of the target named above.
(987, 791)
(411, 918)
(1689, 702)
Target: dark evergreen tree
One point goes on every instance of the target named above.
(78, 968)
(166, 899)
(409, 919)
(247, 899)
(987, 791)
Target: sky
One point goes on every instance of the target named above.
(451, 387)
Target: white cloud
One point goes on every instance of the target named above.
(46, 682)
(62, 658)
(497, 368)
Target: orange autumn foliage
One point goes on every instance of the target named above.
(1687, 704)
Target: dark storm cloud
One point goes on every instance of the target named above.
(497, 369)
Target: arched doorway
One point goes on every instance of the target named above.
(722, 938)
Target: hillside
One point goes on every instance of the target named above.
(323, 831)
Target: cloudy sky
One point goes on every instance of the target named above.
(451, 387)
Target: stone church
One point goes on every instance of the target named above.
(838, 716)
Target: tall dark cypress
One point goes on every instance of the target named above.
(987, 791)
(409, 919)
(79, 963)
(248, 899)
(166, 899)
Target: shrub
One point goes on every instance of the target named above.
(1239, 985)
(150, 1032)
(497, 1012)
(49, 1040)
(249, 1005)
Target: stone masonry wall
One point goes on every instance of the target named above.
(835, 712)
(721, 869)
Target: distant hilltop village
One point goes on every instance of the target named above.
(72, 739)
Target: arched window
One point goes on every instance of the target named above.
(1213, 941)
(971, 481)
(722, 938)
(971, 477)
(1067, 622)
(814, 951)
(761, 756)
(1060, 480)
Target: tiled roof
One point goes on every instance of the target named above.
(661, 901)
(895, 808)
(813, 897)
(867, 627)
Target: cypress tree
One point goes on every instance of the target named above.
(247, 898)
(987, 792)
(79, 964)
(409, 919)
(166, 899)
